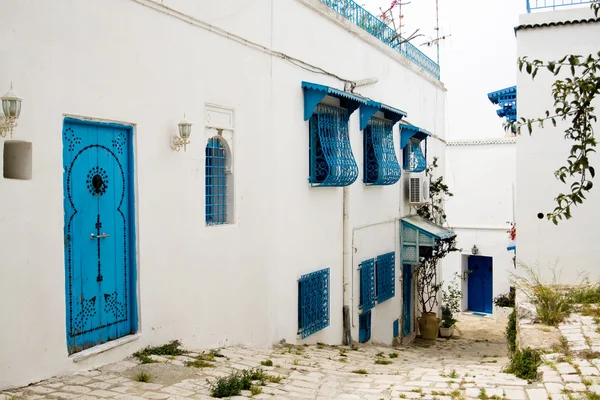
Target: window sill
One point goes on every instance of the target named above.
(85, 354)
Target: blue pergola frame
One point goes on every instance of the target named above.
(315, 93)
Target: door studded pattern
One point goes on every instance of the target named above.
(98, 226)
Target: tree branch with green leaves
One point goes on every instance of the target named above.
(573, 103)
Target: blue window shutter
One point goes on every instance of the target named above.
(386, 277)
(364, 327)
(215, 183)
(381, 166)
(367, 285)
(396, 328)
(331, 159)
(313, 302)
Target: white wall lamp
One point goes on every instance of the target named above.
(11, 108)
(183, 139)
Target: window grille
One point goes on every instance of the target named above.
(216, 183)
(331, 160)
(364, 327)
(386, 276)
(381, 166)
(414, 160)
(313, 302)
(367, 285)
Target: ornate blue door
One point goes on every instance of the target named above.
(99, 250)
(480, 284)
(407, 299)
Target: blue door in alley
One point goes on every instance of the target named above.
(480, 286)
(407, 299)
(98, 232)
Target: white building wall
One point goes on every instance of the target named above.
(140, 63)
(571, 248)
(481, 174)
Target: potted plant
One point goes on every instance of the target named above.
(448, 321)
(451, 298)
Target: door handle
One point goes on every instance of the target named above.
(104, 235)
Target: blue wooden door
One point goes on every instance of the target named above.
(99, 231)
(480, 285)
(407, 299)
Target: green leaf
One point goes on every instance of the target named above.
(592, 171)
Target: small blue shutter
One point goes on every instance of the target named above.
(396, 328)
(367, 285)
(364, 327)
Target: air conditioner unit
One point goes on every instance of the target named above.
(418, 188)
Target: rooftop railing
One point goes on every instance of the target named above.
(350, 10)
(553, 4)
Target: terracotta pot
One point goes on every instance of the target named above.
(428, 326)
(446, 332)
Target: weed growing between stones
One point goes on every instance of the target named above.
(142, 377)
(237, 381)
(267, 363)
(383, 362)
(170, 349)
(524, 364)
(360, 371)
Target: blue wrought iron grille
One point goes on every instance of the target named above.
(331, 160)
(364, 327)
(313, 302)
(216, 183)
(414, 160)
(367, 285)
(349, 9)
(386, 277)
(381, 166)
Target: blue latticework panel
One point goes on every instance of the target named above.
(386, 277)
(364, 327)
(367, 285)
(331, 160)
(381, 166)
(313, 302)
(409, 235)
(216, 183)
(426, 240)
(409, 254)
(414, 160)
(396, 328)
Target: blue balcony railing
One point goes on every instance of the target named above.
(553, 4)
(367, 21)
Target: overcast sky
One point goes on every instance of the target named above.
(479, 57)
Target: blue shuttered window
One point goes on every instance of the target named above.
(215, 183)
(386, 277)
(396, 328)
(331, 160)
(414, 159)
(381, 166)
(364, 327)
(367, 285)
(313, 302)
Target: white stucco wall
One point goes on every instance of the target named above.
(481, 174)
(571, 247)
(207, 286)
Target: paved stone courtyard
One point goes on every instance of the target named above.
(467, 366)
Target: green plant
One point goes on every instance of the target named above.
(448, 319)
(505, 300)
(452, 295)
(585, 294)
(360, 371)
(142, 376)
(524, 364)
(267, 363)
(482, 394)
(273, 379)
(551, 302)
(511, 332)
(393, 355)
(199, 364)
(426, 272)
(170, 349)
(234, 383)
(255, 390)
(383, 362)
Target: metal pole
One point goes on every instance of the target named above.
(437, 28)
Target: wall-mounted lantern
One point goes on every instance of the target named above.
(11, 108)
(474, 250)
(183, 139)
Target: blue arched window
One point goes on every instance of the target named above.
(216, 183)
